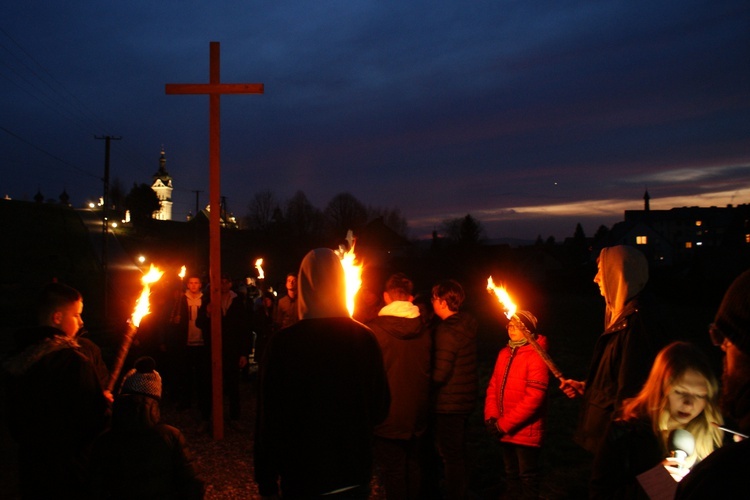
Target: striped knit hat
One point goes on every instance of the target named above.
(143, 379)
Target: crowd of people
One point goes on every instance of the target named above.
(388, 391)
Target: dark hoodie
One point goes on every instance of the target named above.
(322, 390)
(406, 347)
(455, 370)
(625, 351)
(56, 408)
(142, 458)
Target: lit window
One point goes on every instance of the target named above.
(747, 238)
(688, 244)
(699, 243)
(641, 240)
(698, 223)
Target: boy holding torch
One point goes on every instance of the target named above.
(56, 405)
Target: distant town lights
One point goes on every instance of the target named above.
(141, 259)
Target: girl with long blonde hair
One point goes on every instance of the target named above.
(681, 392)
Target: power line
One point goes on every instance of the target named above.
(28, 143)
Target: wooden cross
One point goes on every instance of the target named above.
(214, 89)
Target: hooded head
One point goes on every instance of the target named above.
(623, 273)
(322, 286)
(733, 317)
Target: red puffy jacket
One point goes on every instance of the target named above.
(517, 394)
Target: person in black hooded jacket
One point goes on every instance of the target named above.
(322, 391)
(406, 346)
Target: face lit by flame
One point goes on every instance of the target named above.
(502, 296)
(142, 305)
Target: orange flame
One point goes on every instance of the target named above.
(141, 305)
(352, 274)
(502, 296)
(258, 264)
(183, 270)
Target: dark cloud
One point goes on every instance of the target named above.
(489, 108)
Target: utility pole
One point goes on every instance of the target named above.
(105, 216)
(197, 204)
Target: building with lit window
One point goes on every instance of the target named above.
(679, 234)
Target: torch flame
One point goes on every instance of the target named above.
(502, 296)
(258, 264)
(183, 270)
(141, 305)
(352, 274)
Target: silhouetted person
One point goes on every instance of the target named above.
(723, 474)
(406, 347)
(189, 347)
(235, 341)
(322, 391)
(454, 376)
(140, 457)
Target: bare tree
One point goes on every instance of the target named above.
(463, 230)
(302, 219)
(260, 216)
(344, 212)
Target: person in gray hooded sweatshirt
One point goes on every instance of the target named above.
(323, 389)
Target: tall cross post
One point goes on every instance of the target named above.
(214, 89)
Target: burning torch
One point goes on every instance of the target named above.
(352, 271)
(509, 309)
(141, 310)
(259, 268)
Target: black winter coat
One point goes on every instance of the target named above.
(455, 364)
(56, 408)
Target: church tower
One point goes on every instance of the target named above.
(162, 186)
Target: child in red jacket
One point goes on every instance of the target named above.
(515, 407)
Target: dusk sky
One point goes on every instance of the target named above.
(532, 116)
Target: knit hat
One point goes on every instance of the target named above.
(528, 320)
(143, 379)
(733, 317)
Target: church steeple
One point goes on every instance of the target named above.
(646, 200)
(162, 186)
(162, 172)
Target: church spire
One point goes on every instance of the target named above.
(646, 200)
